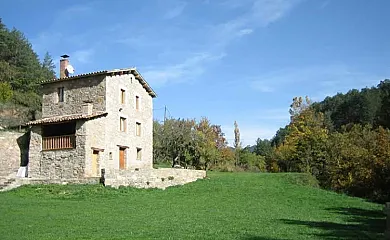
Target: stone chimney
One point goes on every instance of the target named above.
(87, 109)
(64, 62)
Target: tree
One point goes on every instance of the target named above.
(6, 92)
(298, 106)
(279, 137)
(263, 147)
(188, 143)
(48, 67)
(384, 111)
(237, 142)
(303, 147)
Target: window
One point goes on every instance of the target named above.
(138, 129)
(123, 96)
(137, 102)
(61, 94)
(123, 124)
(139, 153)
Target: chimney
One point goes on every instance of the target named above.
(63, 64)
(87, 109)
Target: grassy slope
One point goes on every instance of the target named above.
(225, 206)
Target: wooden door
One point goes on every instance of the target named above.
(95, 167)
(122, 164)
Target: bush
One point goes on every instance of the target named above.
(6, 92)
(303, 179)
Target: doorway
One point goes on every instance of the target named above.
(122, 162)
(95, 163)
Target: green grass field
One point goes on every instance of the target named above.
(224, 206)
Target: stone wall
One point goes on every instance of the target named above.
(13, 149)
(53, 164)
(152, 178)
(76, 92)
(128, 139)
(35, 181)
(95, 141)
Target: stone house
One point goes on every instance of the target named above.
(93, 121)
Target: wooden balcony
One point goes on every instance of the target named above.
(59, 142)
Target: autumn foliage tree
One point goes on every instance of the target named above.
(353, 158)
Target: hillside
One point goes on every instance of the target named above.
(225, 206)
(21, 71)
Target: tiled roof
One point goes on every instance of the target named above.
(65, 118)
(109, 72)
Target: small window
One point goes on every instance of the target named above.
(61, 94)
(123, 96)
(137, 102)
(139, 153)
(138, 129)
(123, 124)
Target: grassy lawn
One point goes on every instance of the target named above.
(224, 206)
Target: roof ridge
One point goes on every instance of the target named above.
(113, 71)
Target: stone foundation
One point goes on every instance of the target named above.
(34, 181)
(152, 178)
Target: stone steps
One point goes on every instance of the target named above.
(7, 179)
(6, 182)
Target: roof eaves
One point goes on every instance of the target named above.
(74, 77)
(145, 84)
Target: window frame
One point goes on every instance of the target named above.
(138, 129)
(139, 153)
(122, 124)
(60, 94)
(123, 96)
(137, 103)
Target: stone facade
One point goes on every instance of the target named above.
(65, 163)
(153, 178)
(128, 138)
(76, 92)
(101, 136)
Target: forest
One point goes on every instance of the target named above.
(21, 71)
(344, 140)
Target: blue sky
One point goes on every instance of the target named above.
(227, 60)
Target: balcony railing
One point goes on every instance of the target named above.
(59, 142)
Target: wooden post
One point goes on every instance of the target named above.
(387, 212)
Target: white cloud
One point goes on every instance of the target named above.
(261, 86)
(189, 69)
(265, 12)
(324, 80)
(245, 32)
(217, 38)
(175, 11)
(83, 56)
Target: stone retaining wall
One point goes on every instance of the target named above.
(152, 178)
(13, 149)
(34, 181)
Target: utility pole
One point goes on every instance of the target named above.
(165, 113)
